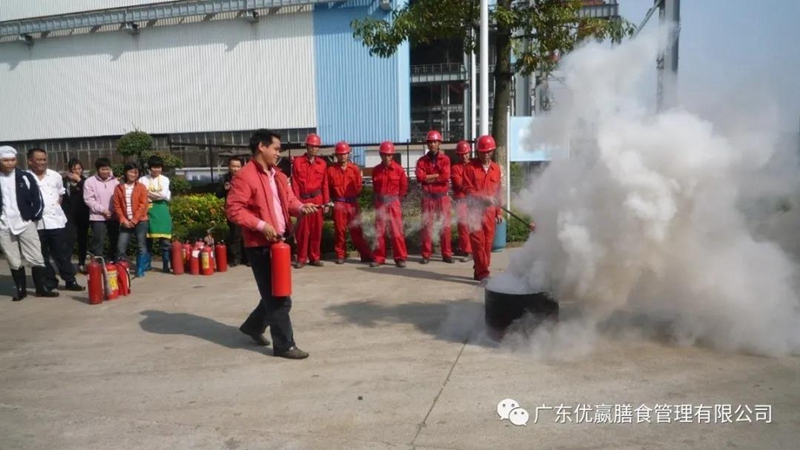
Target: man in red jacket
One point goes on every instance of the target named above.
(260, 202)
(459, 197)
(433, 173)
(344, 183)
(390, 185)
(310, 184)
(482, 186)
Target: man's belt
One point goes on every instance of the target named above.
(435, 196)
(346, 199)
(387, 198)
(311, 194)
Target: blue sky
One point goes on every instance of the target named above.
(743, 48)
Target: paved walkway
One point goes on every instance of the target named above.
(397, 361)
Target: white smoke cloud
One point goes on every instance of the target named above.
(670, 216)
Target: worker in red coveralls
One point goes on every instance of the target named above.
(344, 183)
(484, 196)
(433, 173)
(390, 186)
(310, 185)
(459, 197)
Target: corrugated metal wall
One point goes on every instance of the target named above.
(360, 98)
(20, 9)
(210, 76)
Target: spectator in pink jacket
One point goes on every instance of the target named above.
(98, 193)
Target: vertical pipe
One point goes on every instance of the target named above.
(484, 67)
(473, 97)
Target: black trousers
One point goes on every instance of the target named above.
(54, 245)
(271, 311)
(235, 244)
(101, 229)
(78, 230)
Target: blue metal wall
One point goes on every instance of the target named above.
(360, 98)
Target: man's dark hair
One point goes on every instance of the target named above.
(235, 158)
(34, 150)
(102, 162)
(73, 162)
(155, 161)
(262, 136)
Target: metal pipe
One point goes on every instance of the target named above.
(473, 95)
(484, 67)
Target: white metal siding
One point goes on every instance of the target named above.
(21, 9)
(214, 76)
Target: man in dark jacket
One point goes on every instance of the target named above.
(21, 205)
(236, 253)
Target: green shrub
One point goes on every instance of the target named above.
(194, 215)
(134, 143)
(179, 186)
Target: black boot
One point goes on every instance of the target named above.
(38, 281)
(165, 256)
(19, 279)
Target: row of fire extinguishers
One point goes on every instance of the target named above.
(110, 280)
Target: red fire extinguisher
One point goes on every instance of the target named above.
(176, 255)
(222, 257)
(194, 262)
(94, 275)
(112, 281)
(187, 254)
(281, 255)
(124, 278)
(206, 262)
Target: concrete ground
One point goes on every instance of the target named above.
(398, 360)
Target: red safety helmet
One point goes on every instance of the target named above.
(313, 140)
(433, 135)
(462, 148)
(342, 148)
(387, 148)
(486, 143)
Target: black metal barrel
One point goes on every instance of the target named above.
(503, 309)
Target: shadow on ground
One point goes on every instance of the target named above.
(161, 322)
(391, 270)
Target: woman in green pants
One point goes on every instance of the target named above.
(158, 214)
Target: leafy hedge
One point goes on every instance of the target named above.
(193, 215)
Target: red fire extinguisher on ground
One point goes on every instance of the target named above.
(206, 261)
(94, 275)
(124, 278)
(281, 255)
(176, 255)
(112, 281)
(194, 262)
(187, 254)
(222, 257)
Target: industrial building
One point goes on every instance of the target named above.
(77, 74)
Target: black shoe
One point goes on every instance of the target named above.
(259, 338)
(340, 261)
(466, 258)
(74, 286)
(292, 353)
(448, 260)
(38, 280)
(299, 265)
(425, 261)
(374, 264)
(400, 263)
(316, 264)
(21, 284)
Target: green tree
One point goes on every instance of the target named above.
(535, 32)
(134, 144)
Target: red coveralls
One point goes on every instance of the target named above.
(310, 185)
(345, 185)
(459, 197)
(435, 202)
(390, 186)
(482, 186)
